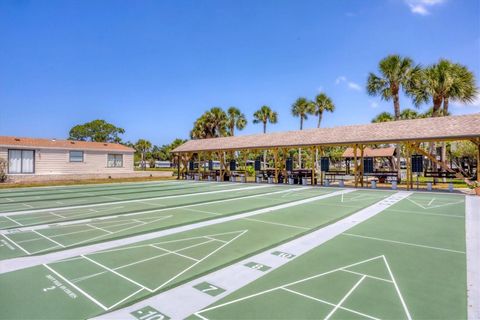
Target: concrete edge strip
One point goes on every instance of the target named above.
(25, 262)
(13, 213)
(172, 304)
(472, 231)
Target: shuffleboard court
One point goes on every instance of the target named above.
(407, 262)
(54, 200)
(55, 215)
(91, 284)
(45, 238)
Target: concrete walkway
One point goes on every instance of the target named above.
(185, 300)
(25, 262)
(472, 229)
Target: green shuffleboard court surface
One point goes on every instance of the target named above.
(406, 262)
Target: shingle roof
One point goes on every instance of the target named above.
(441, 128)
(19, 142)
(369, 152)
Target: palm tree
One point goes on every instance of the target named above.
(301, 108)
(235, 119)
(211, 124)
(396, 73)
(143, 146)
(408, 114)
(263, 115)
(383, 117)
(321, 104)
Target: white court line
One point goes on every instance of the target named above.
(116, 273)
(404, 243)
(283, 286)
(98, 228)
(16, 244)
(126, 298)
(277, 223)
(398, 289)
(431, 201)
(345, 297)
(7, 217)
(41, 235)
(193, 265)
(175, 253)
(368, 276)
(129, 201)
(77, 288)
(329, 303)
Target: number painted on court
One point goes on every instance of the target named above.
(257, 266)
(209, 289)
(149, 313)
(283, 254)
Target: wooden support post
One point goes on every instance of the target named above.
(313, 151)
(408, 163)
(355, 165)
(362, 147)
(221, 165)
(275, 163)
(478, 162)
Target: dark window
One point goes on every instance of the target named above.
(76, 156)
(115, 161)
(21, 161)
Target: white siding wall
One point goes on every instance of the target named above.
(57, 162)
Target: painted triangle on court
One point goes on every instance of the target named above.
(179, 244)
(374, 268)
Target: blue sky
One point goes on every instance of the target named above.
(152, 67)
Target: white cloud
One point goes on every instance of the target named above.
(352, 85)
(422, 7)
(320, 89)
(373, 104)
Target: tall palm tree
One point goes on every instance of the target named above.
(143, 146)
(301, 108)
(264, 115)
(408, 114)
(235, 119)
(211, 124)
(442, 82)
(396, 73)
(321, 104)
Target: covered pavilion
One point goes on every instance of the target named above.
(409, 133)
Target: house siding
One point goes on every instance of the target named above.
(57, 162)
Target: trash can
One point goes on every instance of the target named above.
(374, 184)
(197, 177)
(429, 186)
(243, 179)
(304, 181)
(232, 179)
(450, 186)
(394, 185)
(290, 181)
(219, 179)
(209, 178)
(258, 179)
(326, 183)
(341, 183)
(270, 180)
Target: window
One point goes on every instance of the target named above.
(76, 156)
(21, 161)
(115, 161)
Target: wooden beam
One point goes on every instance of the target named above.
(355, 165)
(362, 148)
(478, 163)
(275, 163)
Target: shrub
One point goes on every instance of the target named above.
(3, 170)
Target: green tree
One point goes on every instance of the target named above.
(301, 108)
(143, 146)
(265, 115)
(97, 131)
(235, 119)
(396, 73)
(383, 117)
(321, 104)
(211, 124)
